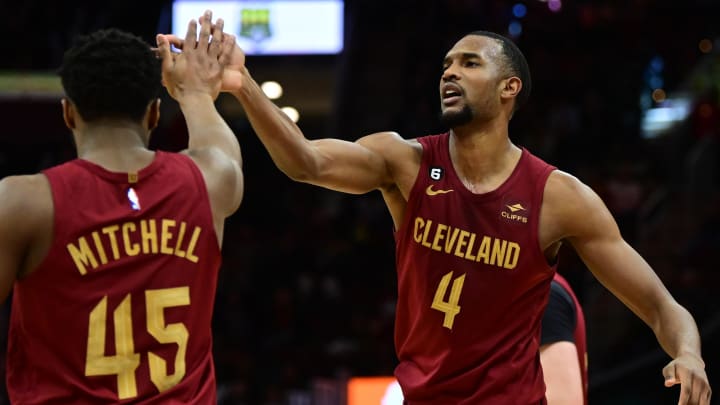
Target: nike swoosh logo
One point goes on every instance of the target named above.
(429, 191)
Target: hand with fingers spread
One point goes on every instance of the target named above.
(198, 69)
(689, 372)
(193, 78)
(232, 55)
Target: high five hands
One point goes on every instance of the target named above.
(199, 68)
(223, 46)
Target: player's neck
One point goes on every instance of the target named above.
(483, 159)
(121, 148)
(481, 143)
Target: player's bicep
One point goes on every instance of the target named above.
(596, 238)
(627, 275)
(223, 178)
(351, 167)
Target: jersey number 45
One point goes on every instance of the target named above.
(125, 360)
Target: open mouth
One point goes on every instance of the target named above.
(451, 94)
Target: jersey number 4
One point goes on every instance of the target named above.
(125, 360)
(449, 307)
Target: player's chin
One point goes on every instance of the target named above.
(450, 111)
(455, 115)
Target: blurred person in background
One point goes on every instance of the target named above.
(563, 353)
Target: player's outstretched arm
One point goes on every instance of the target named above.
(581, 218)
(194, 78)
(352, 167)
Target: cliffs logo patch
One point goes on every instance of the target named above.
(515, 211)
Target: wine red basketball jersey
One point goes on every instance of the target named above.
(473, 284)
(120, 309)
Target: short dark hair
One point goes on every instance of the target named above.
(516, 63)
(110, 74)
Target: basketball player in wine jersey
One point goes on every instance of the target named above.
(114, 256)
(478, 224)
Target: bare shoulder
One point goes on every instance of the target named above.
(402, 158)
(391, 144)
(26, 225)
(572, 207)
(566, 190)
(28, 194)
(213, 160)
(223, 179)
(26, 208)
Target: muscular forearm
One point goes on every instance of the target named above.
(286, 144)
(206, 128)
(677, 332)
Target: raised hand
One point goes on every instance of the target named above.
(233, 56)
(234, 59)
(199, 68)
(689, 372)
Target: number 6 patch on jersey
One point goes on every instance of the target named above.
(436, 173)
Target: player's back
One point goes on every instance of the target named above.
(120, 308)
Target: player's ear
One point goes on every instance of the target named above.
(68, 110)
(511, 86)
(152, 115)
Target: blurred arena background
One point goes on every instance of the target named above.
(625, 96)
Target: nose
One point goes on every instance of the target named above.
(449, 73)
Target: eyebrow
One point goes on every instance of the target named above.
(463, 56)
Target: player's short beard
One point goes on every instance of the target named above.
(453, 119)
